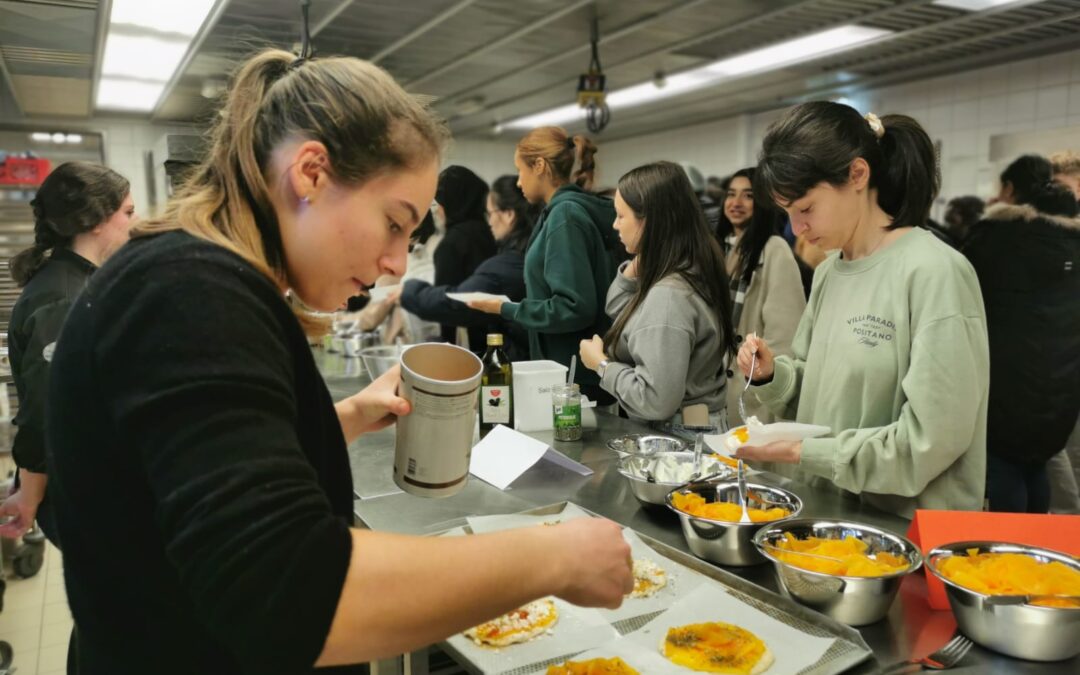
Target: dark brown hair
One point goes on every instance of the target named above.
(75, 198)
(561, 152)
(816, 143)
(675, 240)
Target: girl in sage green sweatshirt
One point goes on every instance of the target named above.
(892, 351)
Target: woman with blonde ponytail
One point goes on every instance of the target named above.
(82, 213)
(572, 252)
(191, 430)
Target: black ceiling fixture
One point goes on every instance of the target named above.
(591, 86)
(306, 50)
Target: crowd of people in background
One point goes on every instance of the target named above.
(944, 358)
(626, 279)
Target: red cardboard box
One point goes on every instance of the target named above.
(930, 529)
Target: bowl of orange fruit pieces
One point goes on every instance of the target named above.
(1019, 600)
(710, 513)
(846, 570)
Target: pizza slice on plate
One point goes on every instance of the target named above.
(521, 625)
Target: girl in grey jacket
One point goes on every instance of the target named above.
(670, 304)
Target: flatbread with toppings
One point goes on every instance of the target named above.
(716, 648)
(648, 578)
(614, 666)
(521, 625)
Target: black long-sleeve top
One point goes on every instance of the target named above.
(502, 274)
(36, 321)
(198, 470)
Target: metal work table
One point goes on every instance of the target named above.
(911, 628)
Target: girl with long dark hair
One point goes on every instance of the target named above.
(766, 288)
(891, 353)
(670, 304)
(511, 218)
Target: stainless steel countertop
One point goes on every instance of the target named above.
(911, 625)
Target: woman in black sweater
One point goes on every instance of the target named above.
(82, 213)
(190, 430)
(461, 200)
(511, 218)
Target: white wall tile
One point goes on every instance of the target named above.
(1074, 98)
(993, 110)
(942, 90)
(1024, 75)
(1054, 70)
(939, 121)
(994, 80)
(965, 142)
(1051, 102)
(965, 115)
(1049, 123)
(1021, 107)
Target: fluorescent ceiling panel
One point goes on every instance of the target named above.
(979, 5)
(145, 45)
(761, 60)
(167, 16)
(142, 58)
(119, 94)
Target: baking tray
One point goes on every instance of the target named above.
(848, 650)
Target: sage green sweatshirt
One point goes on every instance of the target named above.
(892, 355)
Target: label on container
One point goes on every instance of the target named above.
(495, 405)
(567, 416)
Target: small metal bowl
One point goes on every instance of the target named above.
(727, 543)
(1021, 630)
(636, 470)
(378, 360)
(645, 445)
(856, 601)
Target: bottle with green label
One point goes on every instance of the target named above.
(496, 387)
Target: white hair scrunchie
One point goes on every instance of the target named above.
(875, 124)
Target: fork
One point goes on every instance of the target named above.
(943, 659)
(742, 395)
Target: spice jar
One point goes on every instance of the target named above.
(566, 409)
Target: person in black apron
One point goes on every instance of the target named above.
(81, 216)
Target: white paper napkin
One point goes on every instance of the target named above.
(505, 454)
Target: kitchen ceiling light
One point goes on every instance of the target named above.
(979, 5)
(761, 60)
(163, 16)
(130, 95)
(146, 43)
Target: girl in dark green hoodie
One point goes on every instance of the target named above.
(570, 262)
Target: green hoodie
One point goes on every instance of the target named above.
(568, 269)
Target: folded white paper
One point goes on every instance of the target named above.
(505, 454)
(468, 297)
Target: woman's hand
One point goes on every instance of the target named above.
(782, 452)
(22, 505)
(592, 352)
(763, 368)
(597, 567)
(486, 306)
(376, 407)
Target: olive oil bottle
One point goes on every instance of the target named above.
(496, 387)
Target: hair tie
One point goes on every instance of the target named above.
(875, 124)
(300, 60)
(570, 142)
